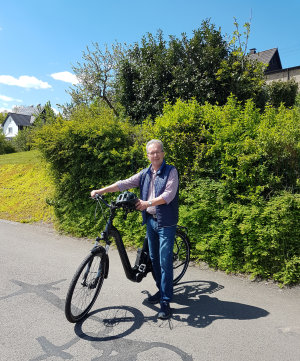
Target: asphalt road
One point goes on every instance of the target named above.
(216, 317)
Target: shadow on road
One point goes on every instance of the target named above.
(193, 306)
(200, 309)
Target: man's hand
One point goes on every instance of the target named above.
(94, 192)
(141, 205)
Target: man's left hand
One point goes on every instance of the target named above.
(141, 205)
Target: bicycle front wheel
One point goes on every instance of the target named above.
(85, 286)
(181, 255)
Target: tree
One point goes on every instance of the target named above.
(96, 75)
(2, 117)
(5, 145)
(238, 74)
(45, 115)
(157, 70)
(282, 92)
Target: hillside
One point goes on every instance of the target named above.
(24, 187)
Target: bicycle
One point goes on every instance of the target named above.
(88, 279)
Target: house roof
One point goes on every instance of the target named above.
(19, 119)
(270, 57)
(28, 110)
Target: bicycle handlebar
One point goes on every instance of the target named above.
(114, 205)
(99, 197)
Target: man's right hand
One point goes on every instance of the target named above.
(94, 192)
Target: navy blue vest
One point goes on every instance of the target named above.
(167, 214)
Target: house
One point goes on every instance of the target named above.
(274, 71)
(22, 118)
(270, 57)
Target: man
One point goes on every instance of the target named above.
(159, 205)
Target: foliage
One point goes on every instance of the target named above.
(96, 76)
(45, 115)
(240, 76)
(3, 116)
(236, 167)
(24, 139)
(282, 92)
(261, 238)
(239, 178)
(24, 187)
(297, 101)
(182, 129)
(21, 142)
(85, 155)
(5, 145)
(156, 70)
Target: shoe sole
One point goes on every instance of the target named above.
(166, 317)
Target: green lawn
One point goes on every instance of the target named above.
(25, 185)
(21, 158)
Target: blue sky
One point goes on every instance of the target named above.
(41, 39)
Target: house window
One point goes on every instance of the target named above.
(10, 130)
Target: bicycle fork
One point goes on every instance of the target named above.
(96, 249)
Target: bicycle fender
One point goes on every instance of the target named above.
(100, 249)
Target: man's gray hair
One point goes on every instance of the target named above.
(155, 141)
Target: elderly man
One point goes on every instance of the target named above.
(159, 205)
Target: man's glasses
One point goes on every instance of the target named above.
(153, 153)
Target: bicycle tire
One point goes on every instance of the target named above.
(85, 285)
(181, 255)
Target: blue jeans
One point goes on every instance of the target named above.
(161, 243)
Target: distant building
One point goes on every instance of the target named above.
(22, 117)
(274, 71)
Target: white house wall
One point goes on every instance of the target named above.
(284, 75)
(10, 128)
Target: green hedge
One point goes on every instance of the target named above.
(91, 150)
(239, 174)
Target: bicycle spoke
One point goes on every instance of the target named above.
(85, 287)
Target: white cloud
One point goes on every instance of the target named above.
(5, 98)
(5, 110)
(24, 81)
(65, 76)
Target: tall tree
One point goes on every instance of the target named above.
(156, 70)
(238, 74)
(96, 75)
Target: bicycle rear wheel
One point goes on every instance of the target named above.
(181, 255)
(85, 286)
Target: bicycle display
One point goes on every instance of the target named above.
(87, 281)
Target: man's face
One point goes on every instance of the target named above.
(155, 155)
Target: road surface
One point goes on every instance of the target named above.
(216, 317)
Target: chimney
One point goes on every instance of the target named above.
(253, 51)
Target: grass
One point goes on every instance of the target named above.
(25, 185)
(31, 157)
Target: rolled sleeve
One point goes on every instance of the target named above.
(171, 187)
(132, 182)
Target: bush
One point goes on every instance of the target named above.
(245, 165)
(21, 142)
(5, 145)
(91, 150)
(282, 92)
(182, 130)
(239, 178)
(261, 238)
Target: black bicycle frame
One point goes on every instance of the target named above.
(132, 273)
